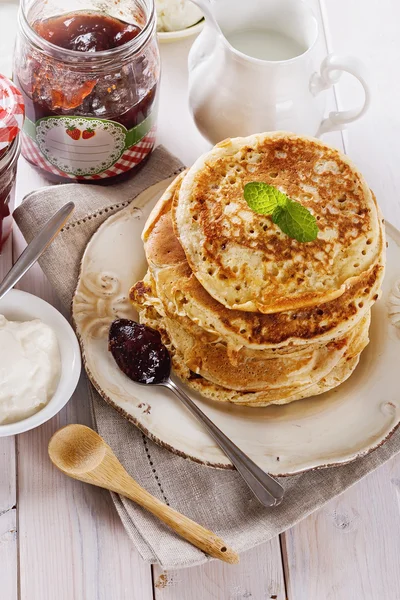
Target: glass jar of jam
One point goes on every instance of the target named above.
(89, 79)
(11, 121)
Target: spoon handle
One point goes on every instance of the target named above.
(36, 248)
(114, 477)
(266, 488)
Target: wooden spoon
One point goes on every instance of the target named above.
(81, 453)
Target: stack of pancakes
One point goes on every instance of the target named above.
(250, 315)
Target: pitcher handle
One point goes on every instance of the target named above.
(331, 70)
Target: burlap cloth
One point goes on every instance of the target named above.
(217, 499)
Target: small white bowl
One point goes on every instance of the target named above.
(21, 306)
(174, 36)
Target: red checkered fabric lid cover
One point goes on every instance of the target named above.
(12, 111)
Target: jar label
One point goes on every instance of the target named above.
(86, 147)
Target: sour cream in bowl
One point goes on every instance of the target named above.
(177, 19)
(40, 362)
(175, 15)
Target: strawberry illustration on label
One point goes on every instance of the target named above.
(87, 134)
(73, 132)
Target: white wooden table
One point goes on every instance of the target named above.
(62, 540)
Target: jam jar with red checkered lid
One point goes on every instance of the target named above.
(89, 75)
(11, 121)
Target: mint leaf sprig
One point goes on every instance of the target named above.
(292, 218)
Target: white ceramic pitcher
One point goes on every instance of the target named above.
(232, 94)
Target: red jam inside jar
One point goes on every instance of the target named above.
(86, 32)
(11, 121)
(85, 101)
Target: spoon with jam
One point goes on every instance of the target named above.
(141, 356)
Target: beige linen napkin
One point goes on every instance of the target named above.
(217, 499)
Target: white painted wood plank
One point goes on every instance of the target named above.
(8, 517)
(7, 474)
(8, 554)
(8, 513)
(176, 128)
(72, 543)
(7, 445)
(369, 30)
(335, 137)
(350, 549)
(258, 576)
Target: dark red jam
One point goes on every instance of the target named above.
(124, 93)
(139, 352)
(86, 32)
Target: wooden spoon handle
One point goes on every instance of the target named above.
(194, 533)
(81, 453)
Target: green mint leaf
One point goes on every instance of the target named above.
(263, 198)
(291, 217)
(296, 221)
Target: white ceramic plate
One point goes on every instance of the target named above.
(330, 429)
(174, 36)
(21, 306)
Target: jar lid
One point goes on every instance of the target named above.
(12, 111)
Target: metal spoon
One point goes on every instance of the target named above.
(81, 453)
(140, 354)
(36, 248)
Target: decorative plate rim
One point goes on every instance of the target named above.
(393, 232)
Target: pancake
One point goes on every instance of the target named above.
(242, 259)
(342, 370)
(192, 306)
(247, 370)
